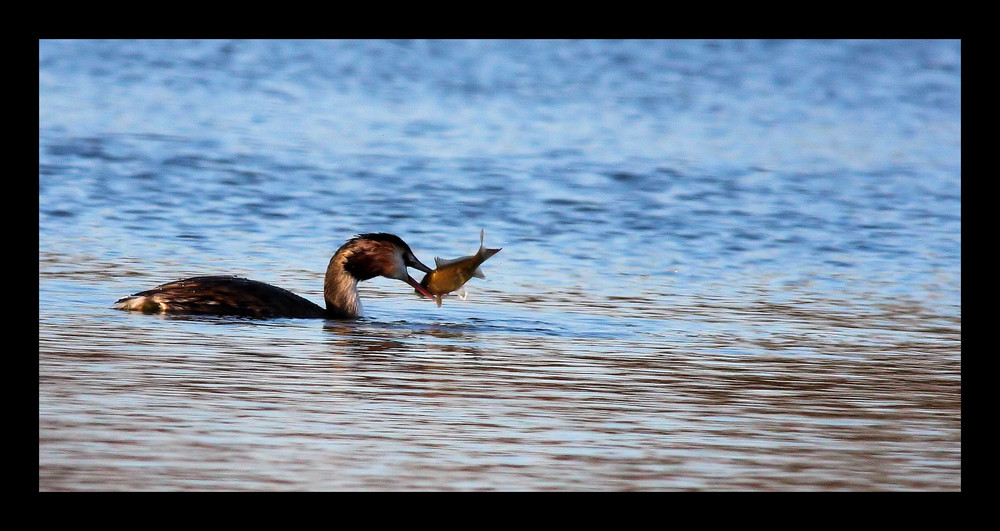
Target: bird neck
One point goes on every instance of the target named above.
(340, 288)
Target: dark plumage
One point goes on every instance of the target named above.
(222, 295)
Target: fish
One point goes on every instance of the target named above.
(451, 275)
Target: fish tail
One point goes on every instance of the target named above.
(485, 253)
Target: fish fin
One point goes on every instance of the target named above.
(478, 273)
(462, 294)
(485, 253)
(438, 300)
(442, 262)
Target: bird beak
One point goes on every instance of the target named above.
(416, 285)
(411, 261)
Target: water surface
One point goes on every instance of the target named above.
(727, 265)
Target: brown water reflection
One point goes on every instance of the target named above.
(238, 404)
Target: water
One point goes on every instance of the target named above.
(727, 265)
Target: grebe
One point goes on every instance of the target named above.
(361, 258)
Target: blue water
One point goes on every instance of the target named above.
(727, 264)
